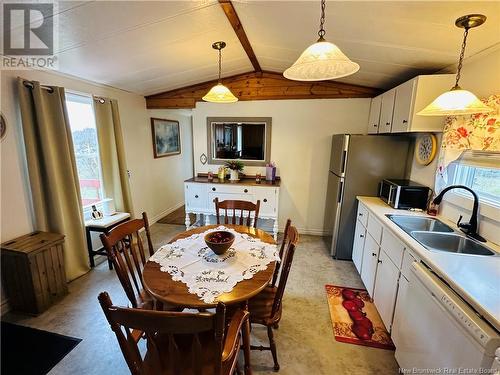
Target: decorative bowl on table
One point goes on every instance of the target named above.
(219, 241)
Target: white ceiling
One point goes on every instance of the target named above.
(150, 47)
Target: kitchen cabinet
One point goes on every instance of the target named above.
(358, 245)
(374, 117)
(395, 111)
(386, 111)
(386, 287)
(369, 263)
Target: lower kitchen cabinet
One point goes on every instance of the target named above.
(386, 287)
(358, 245)
(398, 322)
(369, 269)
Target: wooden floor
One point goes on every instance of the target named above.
(177, 217)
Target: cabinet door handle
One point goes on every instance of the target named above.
(360, 214)
(213, 189)
(361, 235)
(265, 200)
(196, 196)
(388, 123)
(245, 191)
(374, 254)
(379, 261)
(405, 121)
(375, 125)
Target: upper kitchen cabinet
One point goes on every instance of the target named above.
(374, 118)
(395, 111)
(386, 111)
(412, 97)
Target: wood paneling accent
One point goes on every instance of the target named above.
(260, 86)
(33, 271)
(235, 22)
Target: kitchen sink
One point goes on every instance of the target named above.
(450, 242)
(419, 223)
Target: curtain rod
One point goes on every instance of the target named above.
(30, 85)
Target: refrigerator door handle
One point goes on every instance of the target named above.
(341, 190)
(344, 157)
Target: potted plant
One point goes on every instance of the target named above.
(235, 166)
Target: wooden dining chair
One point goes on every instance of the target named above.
(266, 307)
(125, 248)
(178, 343)
(236, 205)
(282, 248)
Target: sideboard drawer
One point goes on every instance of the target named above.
(195, 196)
(231, 189)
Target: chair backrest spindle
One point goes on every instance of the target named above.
(245, 209)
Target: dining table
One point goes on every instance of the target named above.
(160, 284)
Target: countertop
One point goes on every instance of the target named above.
(476, 279)
(248, 181)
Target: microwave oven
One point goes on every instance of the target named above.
(404, 194)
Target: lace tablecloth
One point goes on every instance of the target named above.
(207, 274)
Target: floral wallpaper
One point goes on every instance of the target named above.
(475, 132)
(479, 132)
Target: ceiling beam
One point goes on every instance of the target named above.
(260, 86)
(234, 20)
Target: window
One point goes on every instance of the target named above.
(481, 172)
(85, 144)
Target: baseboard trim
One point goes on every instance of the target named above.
(162, 214)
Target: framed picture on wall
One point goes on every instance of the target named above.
(166, 137)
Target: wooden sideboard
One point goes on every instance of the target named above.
(200, 194)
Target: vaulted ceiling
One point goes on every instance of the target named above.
(151, 47)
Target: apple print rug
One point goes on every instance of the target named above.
(355, 319)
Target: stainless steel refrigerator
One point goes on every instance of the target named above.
(357, 165)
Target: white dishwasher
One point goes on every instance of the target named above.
(438, 330)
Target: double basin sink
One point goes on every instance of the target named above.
(436, 235)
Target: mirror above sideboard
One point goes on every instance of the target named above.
(239, 138)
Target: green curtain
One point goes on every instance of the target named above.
(52, 170)
(112, 153)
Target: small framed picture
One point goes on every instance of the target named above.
(166, 137)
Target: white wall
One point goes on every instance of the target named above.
(300, 146)
(481, 75)
(175, 169)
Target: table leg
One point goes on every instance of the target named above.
(246, 343)
(89, 248)
(188, 221)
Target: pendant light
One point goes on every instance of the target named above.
(322, 60)
(458, 101)
(219, 93)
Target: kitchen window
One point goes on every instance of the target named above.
(481, 172)
(86, 147)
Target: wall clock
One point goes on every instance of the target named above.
(425, 149)
(3, 126)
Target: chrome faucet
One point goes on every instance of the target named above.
(470, 228)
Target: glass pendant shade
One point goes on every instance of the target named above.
(220, 94)
(455, 102)
(319, 62)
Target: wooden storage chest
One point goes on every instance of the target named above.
(33, 273)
